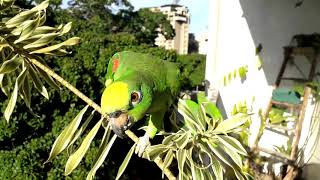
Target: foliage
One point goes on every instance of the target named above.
(204, 146)
(27, 139)
(192, 69)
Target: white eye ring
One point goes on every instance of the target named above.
(135, 97)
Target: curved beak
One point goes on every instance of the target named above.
(120, 122)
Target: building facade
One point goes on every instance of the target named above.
(179, 18)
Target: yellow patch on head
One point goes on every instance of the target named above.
(115, 97)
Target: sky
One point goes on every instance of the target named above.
(199, 11)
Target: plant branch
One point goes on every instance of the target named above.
(95, 106)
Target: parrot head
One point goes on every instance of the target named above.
(124, 104)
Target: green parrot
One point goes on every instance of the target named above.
(138, 85)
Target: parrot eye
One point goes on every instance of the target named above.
(135, 97)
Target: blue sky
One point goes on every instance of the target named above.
(198, 10)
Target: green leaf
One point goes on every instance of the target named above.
(232, 144)
(46, 76)
(13, 99)
(181, 158)
(19, 19)
(66, 28)
(196, 173)
(5, 84)
(11, 65)
(217, 168)
(232, 154)
(156, 150)
(42, 6)
(101, 158)
(37, 82)
(168, 139)
(77, 156)
(232, 123)
(69, 42)
(26, 92)
(44, 40)
(28, 28)
(202, 117)
(168, 159)
(189, 119)
(183, 140)
(218, 152)
(80, 130)
(125, 162)
(66, 135)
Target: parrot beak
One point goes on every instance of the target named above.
(120, 122)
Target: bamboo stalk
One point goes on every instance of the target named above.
(96, 107)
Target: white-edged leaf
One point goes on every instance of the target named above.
(80, 130)
(44, 40)
(37, 82)
(77, 156)
(11, 65)
(13, 99)
(232, 144)
(125, 162)
(66, 28)
(156, 150)
(28, 29)
(183, 140)
(66, 135)
(232, 154)
(69, 42)
(231, 123)
(181, 158)
(167, 160)
(101, 158)
(217, 168)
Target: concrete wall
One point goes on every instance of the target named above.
(236, 28)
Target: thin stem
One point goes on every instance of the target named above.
(95, 106)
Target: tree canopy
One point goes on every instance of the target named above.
(26, 141)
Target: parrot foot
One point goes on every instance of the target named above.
(142, 144)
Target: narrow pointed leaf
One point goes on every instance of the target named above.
(156, 150)
(28, 29)
(181, 158)
(183, 140)
(11, 65)
(77, 156)
(217, 168)
(232, 123)
(232, 144)
(236, 158)
(101, 158)
(125, 162)
(12, 103)
(80, 130)
(37, 82)
(69, 42)
(66, 28)
(44, 40)
(66, 135)
(168, 159)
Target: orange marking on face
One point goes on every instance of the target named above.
(115, 66)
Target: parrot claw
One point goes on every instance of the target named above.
(142, 145)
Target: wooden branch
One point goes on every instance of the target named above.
(96, 107)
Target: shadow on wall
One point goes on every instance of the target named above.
(310, 171)
(273, 23)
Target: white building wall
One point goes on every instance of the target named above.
(236, 28)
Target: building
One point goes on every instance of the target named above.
(236, 30)
(179, 18)
(202, 40)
